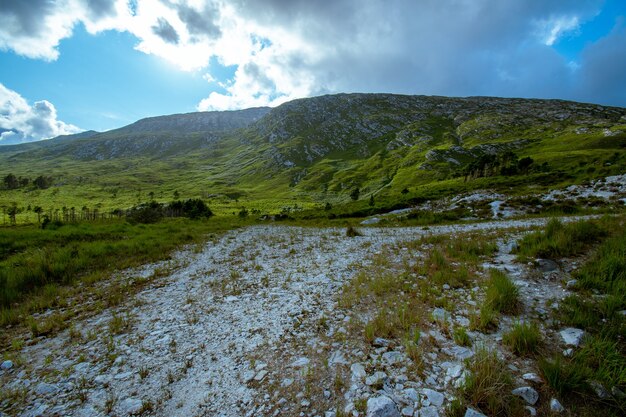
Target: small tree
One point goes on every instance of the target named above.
(354, 195)
(38, 210)
(11, 182)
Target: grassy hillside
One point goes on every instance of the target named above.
(310, 152)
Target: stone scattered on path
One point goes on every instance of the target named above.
(382, 406)
(572, 336)
(528, 394)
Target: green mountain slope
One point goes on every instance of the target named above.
(311, 151)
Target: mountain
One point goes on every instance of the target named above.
(315, 150)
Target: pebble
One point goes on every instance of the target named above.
(6, 365)
(532, 377)
(393, 357)
(555, 406)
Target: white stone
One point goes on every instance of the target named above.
(300, 362)
(572, 336)
(470, 412)
(6, 365)
(392, 357)
(430, 411)
(411, 394)
(358, 371)
(555, 406)
(435, 398)
(381, 407)
(407, 411)
(131, 406)
(532, 377)
(439, 314)
(45, 389)
(531, 410)
(337, 358)
(376, 378)
(261, 375)
(248, 376)
(527, 393)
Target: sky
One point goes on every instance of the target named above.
(73, 65)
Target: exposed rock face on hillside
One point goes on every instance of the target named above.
(214, 121)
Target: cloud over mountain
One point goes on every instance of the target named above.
(20, 122)
(287, 49)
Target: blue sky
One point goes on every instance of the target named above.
(72, 65)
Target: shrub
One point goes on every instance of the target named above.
(352, 232)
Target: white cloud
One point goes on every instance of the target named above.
(289, 49)
(551, 30)
(21, 122)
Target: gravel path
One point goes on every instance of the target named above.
(193, 337)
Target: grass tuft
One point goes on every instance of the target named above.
(523, 338)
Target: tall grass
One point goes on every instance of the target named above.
(502, 295)
(488, 386)
(559, 240)
(596, 308)
(523, 338)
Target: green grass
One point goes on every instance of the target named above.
(36, 265)
(501, 294)
(488, 386)
(595, 307)
(523, 338)
(560, 240)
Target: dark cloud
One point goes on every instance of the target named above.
(26, 15)
(101, 8)
(165, 31)
(602, 74)
(200, 23)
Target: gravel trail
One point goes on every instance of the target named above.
(193, 336)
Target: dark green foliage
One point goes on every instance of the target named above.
(243, 213)
(352, 232)
(11, 182)
(354, 195)
(42, 182)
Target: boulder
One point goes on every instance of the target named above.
(555, 406)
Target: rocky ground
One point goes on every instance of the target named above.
(245, 324)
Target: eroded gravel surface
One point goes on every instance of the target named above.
(196, 336)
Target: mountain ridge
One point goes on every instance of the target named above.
(316, 150)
